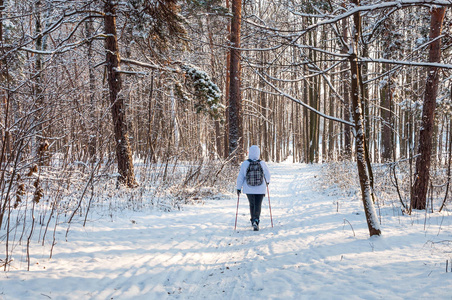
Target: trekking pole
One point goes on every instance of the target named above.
(236, 212)
(269, 206)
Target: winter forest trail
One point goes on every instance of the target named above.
(318, 249)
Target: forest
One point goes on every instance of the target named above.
(156, 102)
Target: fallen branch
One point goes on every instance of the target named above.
(345, 220)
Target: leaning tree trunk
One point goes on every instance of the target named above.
(423, 161)
(123, 150)
(371, 216)
(235, 96)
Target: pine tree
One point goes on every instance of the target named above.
(235, 95)
(123, 149)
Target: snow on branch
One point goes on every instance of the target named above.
(130, 72)
(327, 19)
(406, 63)
(382, 5)
(62, 49)
(148, 65)
(304, 104)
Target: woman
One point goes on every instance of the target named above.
(252, 179)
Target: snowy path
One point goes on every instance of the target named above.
(195, 254)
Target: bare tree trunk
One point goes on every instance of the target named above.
(151, 122)
(217, 135)
(235, 96)
(226, 93)
(331, 133)
(123, 150)
(264, 104)
(313, 102)
(363, 88)
(371, 217)
(306, 119)
(5, 136)
(3, 93)
(389, 47)
(92, 138)
(2, 7)
(423, 161)
(41, 144)
(386, 116)
(347, 151)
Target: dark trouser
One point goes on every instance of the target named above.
(255, 206)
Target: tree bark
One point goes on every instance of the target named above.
(331, 133)
(313, 102)
(123, 149)
(264, 124)
(423, 161)
(371, 216)
(235, 96)
(389, 49)
(41, 144)
(2, 7)
(93, 127)
(347, 150)
(217, 135)
(386, 116)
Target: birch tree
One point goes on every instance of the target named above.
(360, 140)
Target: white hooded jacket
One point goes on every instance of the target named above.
(253, 154)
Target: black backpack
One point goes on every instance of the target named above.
(254, 173)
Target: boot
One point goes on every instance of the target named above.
(255, 225)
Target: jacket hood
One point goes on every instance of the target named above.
(254, 152)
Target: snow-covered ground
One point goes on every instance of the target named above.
(319, 248)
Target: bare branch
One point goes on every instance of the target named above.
(304, 104)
